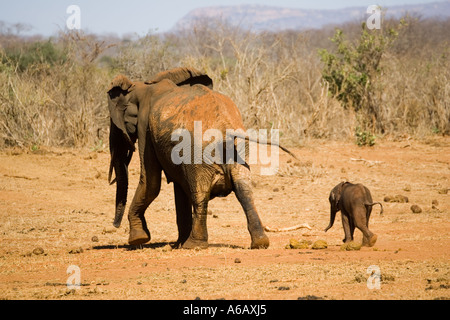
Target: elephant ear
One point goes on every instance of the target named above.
(183, 76)
(335, 195)
(121, 82)
(121, 111)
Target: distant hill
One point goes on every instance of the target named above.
(258, 18)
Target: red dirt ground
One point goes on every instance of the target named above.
(56, 210)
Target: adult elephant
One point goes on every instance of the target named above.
(151, 112)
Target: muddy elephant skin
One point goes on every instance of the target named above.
(150, 112)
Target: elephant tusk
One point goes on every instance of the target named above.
(300, 226)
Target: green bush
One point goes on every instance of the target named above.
(364, 138)
(25, 56)
(351, 71)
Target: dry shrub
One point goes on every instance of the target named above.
(60, 104)
(275, 79)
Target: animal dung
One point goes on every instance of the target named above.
(397, 198)
(416, 209)
(38, 251)
(350, 246)
(319, 244)
(296, 244)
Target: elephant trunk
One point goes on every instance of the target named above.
(332, 217)
(120, 159)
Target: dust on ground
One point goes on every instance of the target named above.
(56, 210)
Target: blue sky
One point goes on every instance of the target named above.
(140, 16)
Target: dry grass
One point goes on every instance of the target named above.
(274, 78)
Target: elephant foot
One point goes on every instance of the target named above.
(138, 236)
(192, 244)
(260, 243)
(373, 240)
(370, 242)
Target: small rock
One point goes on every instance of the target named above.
(443, 191)
(94, 239)
(38, 251)
(76, 251)
(319, 244)
(407, 188)
(237, 260)
(167, 248)
(284, 288)
(416, 209)
(276, 189)
(310, 297)
(435, 202)
(108, 230)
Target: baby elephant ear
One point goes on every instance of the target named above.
(183, 76)
(336, 193)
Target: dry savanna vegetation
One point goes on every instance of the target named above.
(351, 103)
(334, 83)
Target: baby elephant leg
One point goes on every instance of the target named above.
(362, 223)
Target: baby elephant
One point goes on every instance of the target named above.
(355, 203)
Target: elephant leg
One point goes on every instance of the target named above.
(347, 227)
(147, 190)
(366, 240)
(352, 228)
(361, 222)
(243, 190)
(183, 207)
(198, 237)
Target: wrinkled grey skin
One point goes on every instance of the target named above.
(355, 203)
(163, 107)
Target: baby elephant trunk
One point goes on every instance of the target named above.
(332, 217)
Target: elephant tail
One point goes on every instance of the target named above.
(372, 204)
(251, 139)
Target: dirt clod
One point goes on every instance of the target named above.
(416, 209)
(76, 251)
